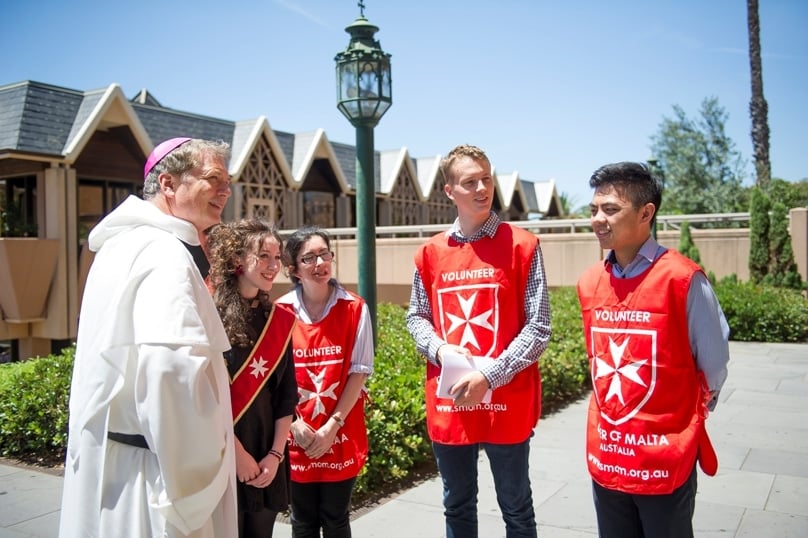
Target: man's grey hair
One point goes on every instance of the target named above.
(183, 159)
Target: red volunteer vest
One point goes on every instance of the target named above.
(322, 354)
(477, 293)
(647, 410)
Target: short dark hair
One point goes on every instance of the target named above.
(633, 180)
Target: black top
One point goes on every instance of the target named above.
(200, 259)
(256, 427)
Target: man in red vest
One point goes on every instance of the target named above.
(657, 343)
(479, 299)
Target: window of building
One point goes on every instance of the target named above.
(97, 198)
(319, 209)
(18, 207)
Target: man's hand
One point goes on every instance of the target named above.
(469, 389)
(451, 348)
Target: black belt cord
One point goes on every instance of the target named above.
(131, 439)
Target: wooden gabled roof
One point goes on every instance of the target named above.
(56, 123)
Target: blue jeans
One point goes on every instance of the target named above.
(457, 465)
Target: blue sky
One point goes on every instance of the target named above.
(547, 89)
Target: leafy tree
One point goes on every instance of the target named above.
(758, 108)
(702, 169)
(783, 270)
(758, 235)
(686, 245)
(792, 194)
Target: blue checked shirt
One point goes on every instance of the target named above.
(524, 350)
(706, 325)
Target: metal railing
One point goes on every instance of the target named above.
(579, 225)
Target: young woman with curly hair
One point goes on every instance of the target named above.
(245, 258)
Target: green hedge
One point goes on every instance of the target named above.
(395, 416)
(33, 415)
(564, 367)
(760, 313)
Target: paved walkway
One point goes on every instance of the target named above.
(760, 431)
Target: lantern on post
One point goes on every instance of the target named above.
(364, 93)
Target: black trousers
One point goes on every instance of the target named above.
(624, 515)
(322, 505)
(256, 524)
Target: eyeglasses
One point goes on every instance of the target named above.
(310, 258)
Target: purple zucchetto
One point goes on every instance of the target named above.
(161, 150)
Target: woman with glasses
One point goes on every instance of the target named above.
(333, 352)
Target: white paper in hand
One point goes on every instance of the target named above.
(455, 366)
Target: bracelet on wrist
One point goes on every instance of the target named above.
(277, 454)
(338, 419)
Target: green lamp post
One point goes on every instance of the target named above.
(364, 93)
